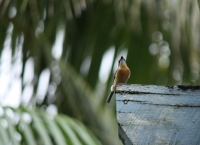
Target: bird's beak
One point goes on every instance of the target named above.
(122, 58)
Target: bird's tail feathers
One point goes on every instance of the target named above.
(110, 97)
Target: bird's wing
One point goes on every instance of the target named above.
(115, 75)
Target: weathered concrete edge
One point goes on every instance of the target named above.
(123, 137)
(162, 90)
(168, 97)
(180, 87)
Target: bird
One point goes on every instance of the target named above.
(121, 76)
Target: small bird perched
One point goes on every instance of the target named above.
(121, 76)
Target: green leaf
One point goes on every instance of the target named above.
(11, 129)
(40, 128)
(4, 134)
(64, 125)
(54, 130)
(27, 130)
(88, 139)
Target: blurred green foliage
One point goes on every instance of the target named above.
(161, 38)
(37, 127)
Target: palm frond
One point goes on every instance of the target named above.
(35, 126)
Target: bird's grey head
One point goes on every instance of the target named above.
(122, 61)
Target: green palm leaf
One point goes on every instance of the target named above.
(35, 126)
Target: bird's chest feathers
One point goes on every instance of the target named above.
(122, 75)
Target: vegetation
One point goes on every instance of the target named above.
(53, 51)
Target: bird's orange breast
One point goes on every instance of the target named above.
(122, 75)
